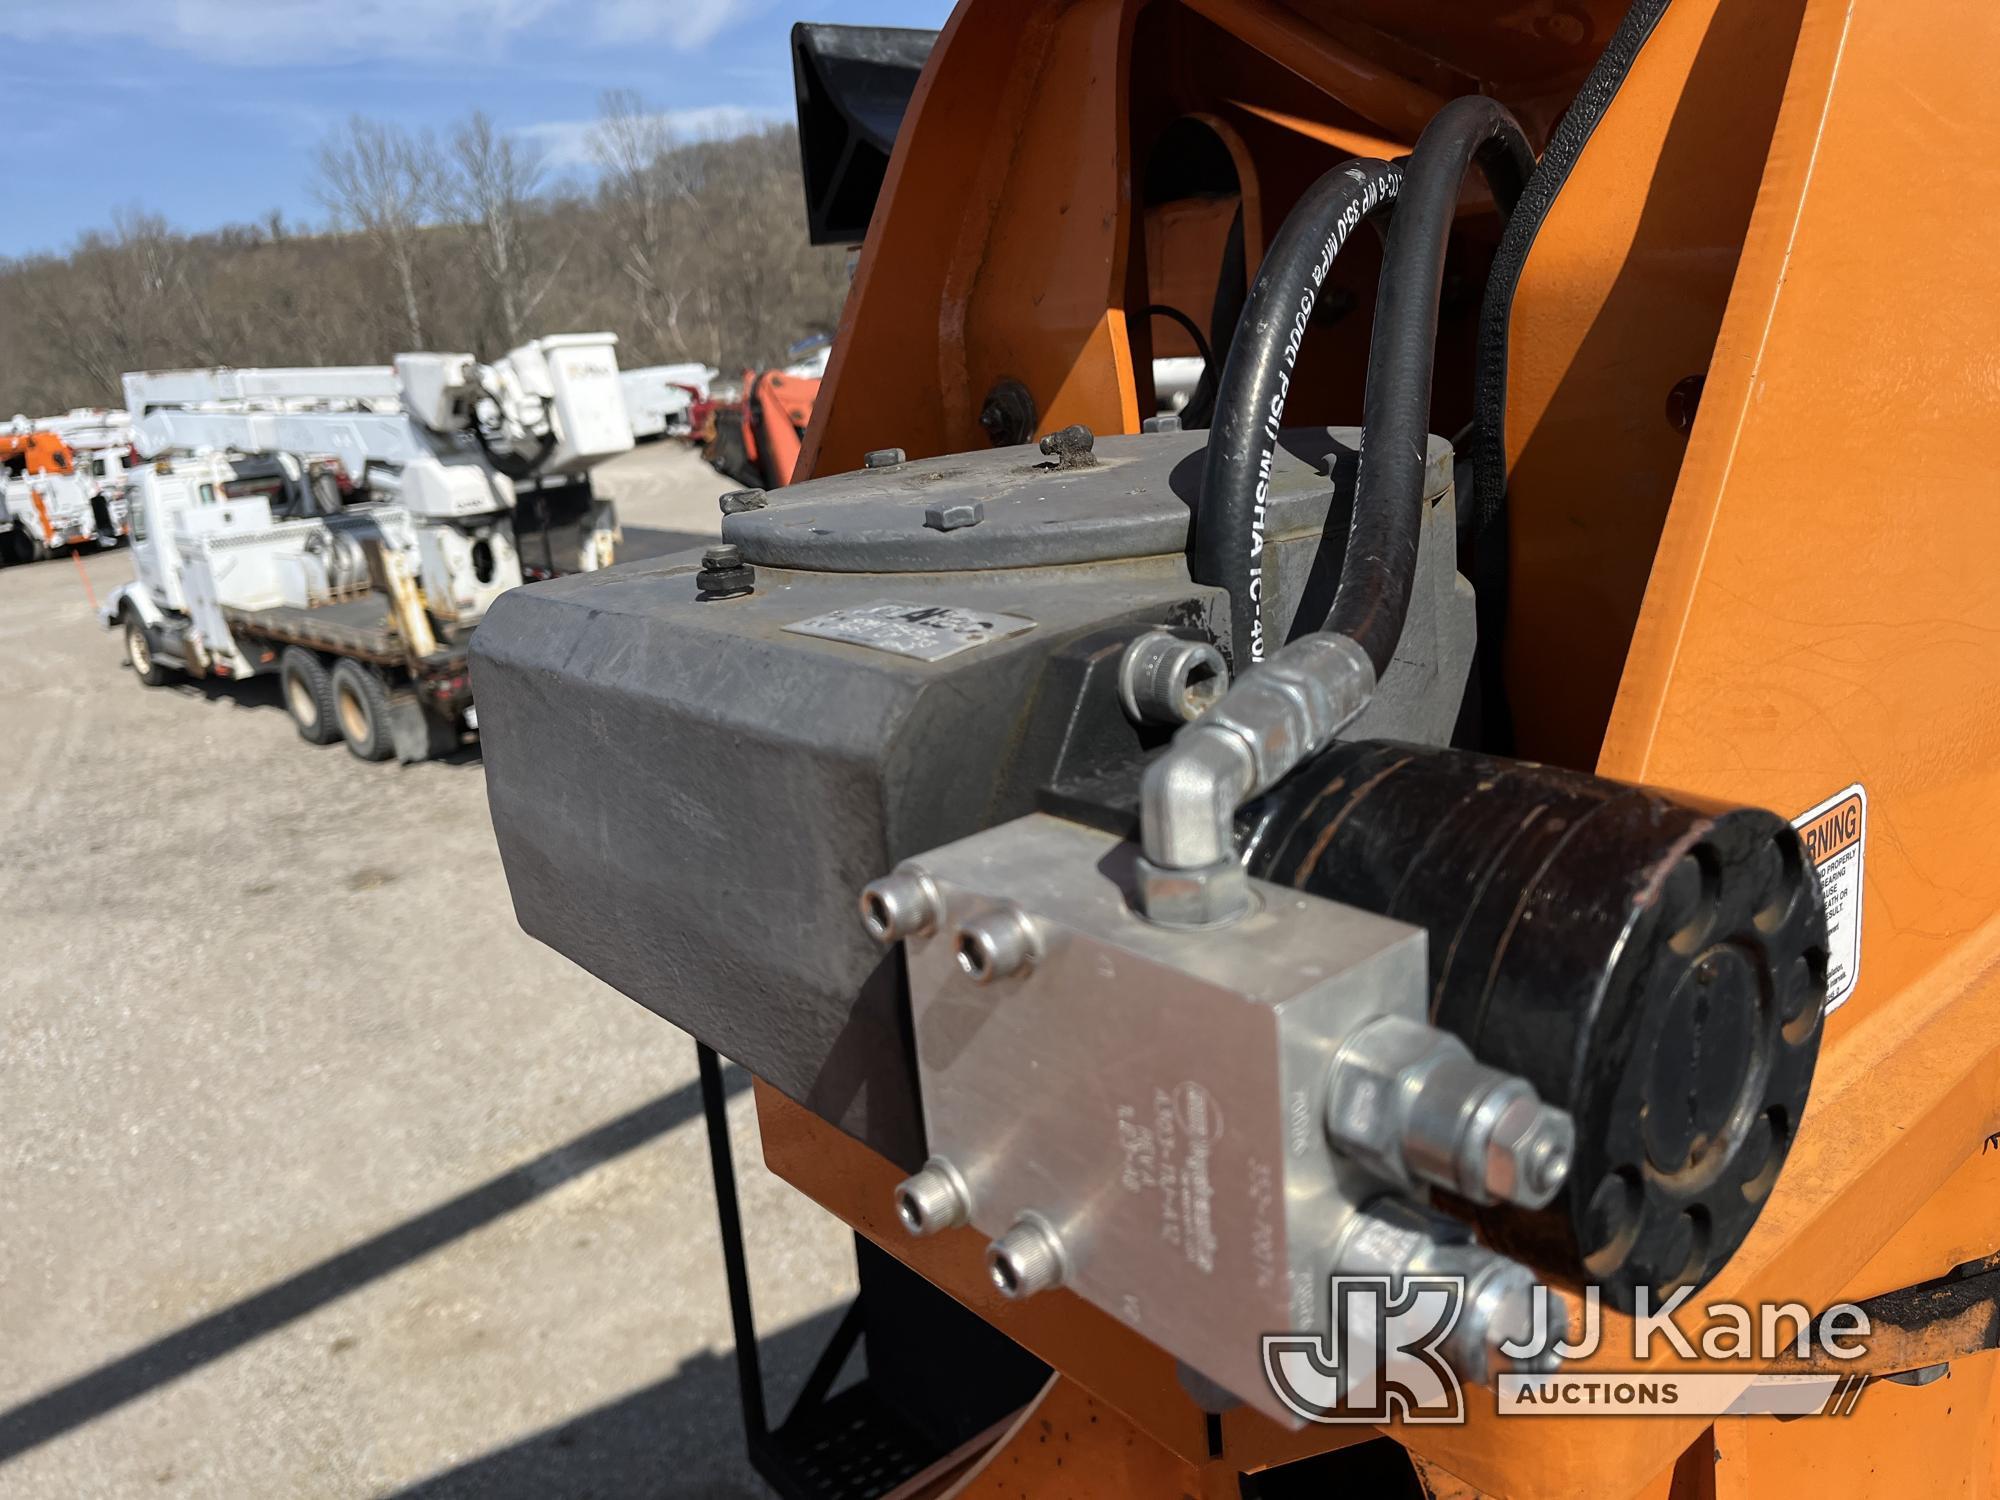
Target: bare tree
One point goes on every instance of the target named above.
(490, 188)
(630, 144)
(378, 179)
(684, 249)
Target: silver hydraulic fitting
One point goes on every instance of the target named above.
(1272, 719)
(1163, 679)
(1026, 1259)
(1396, 1238)
(902, 904)
(996, 945)
(934, 1199)
(1412, 1105)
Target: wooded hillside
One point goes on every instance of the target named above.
(684, 249)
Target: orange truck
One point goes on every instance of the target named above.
(64, 483)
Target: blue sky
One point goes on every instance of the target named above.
(209, 111)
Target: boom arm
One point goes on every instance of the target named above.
(552, 407)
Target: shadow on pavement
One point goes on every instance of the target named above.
(110, 1386)
(679, 1437)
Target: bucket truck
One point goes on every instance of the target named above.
(661, 398)
(472, 478)
(64, 482)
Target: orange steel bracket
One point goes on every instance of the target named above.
(1003, 241)
(1004, 255)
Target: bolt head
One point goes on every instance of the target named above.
(951, 515)
(735, 502)
(883, 458)
(727, 555)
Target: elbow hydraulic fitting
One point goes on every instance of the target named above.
(1274, 718)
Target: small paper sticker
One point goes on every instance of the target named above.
(928, 632)
(1835, 835)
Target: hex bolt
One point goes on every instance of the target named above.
(993, 946)
(950, 515)
(934, 1199)
(902, 904)
(1163, 679)
(735, 502)
(1166, 421)
(883, 458)
(1026, 1259)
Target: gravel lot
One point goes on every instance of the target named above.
(317, 1177)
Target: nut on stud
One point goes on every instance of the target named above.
(934, 1199)
(1026, 1259)
(724, 574)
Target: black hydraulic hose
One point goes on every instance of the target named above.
(1225, 311)
(1228, 544)
(1187, 325)
(1379, 566)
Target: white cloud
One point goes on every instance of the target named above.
(285, 31)
(566, 143)
(684, 24)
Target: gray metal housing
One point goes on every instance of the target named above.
(688, 795)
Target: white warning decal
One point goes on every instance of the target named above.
(1836, 838)
(928, 632)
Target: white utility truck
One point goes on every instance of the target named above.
(63, 482)
(469, 479)
(660, 399)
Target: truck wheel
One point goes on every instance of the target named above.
(139, 652)
(361, 706)
(309, 696)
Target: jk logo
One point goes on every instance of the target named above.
(1379, 1362)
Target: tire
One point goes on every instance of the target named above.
(729, 454)
(308, 691)
(361, 708)
(139, 652)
